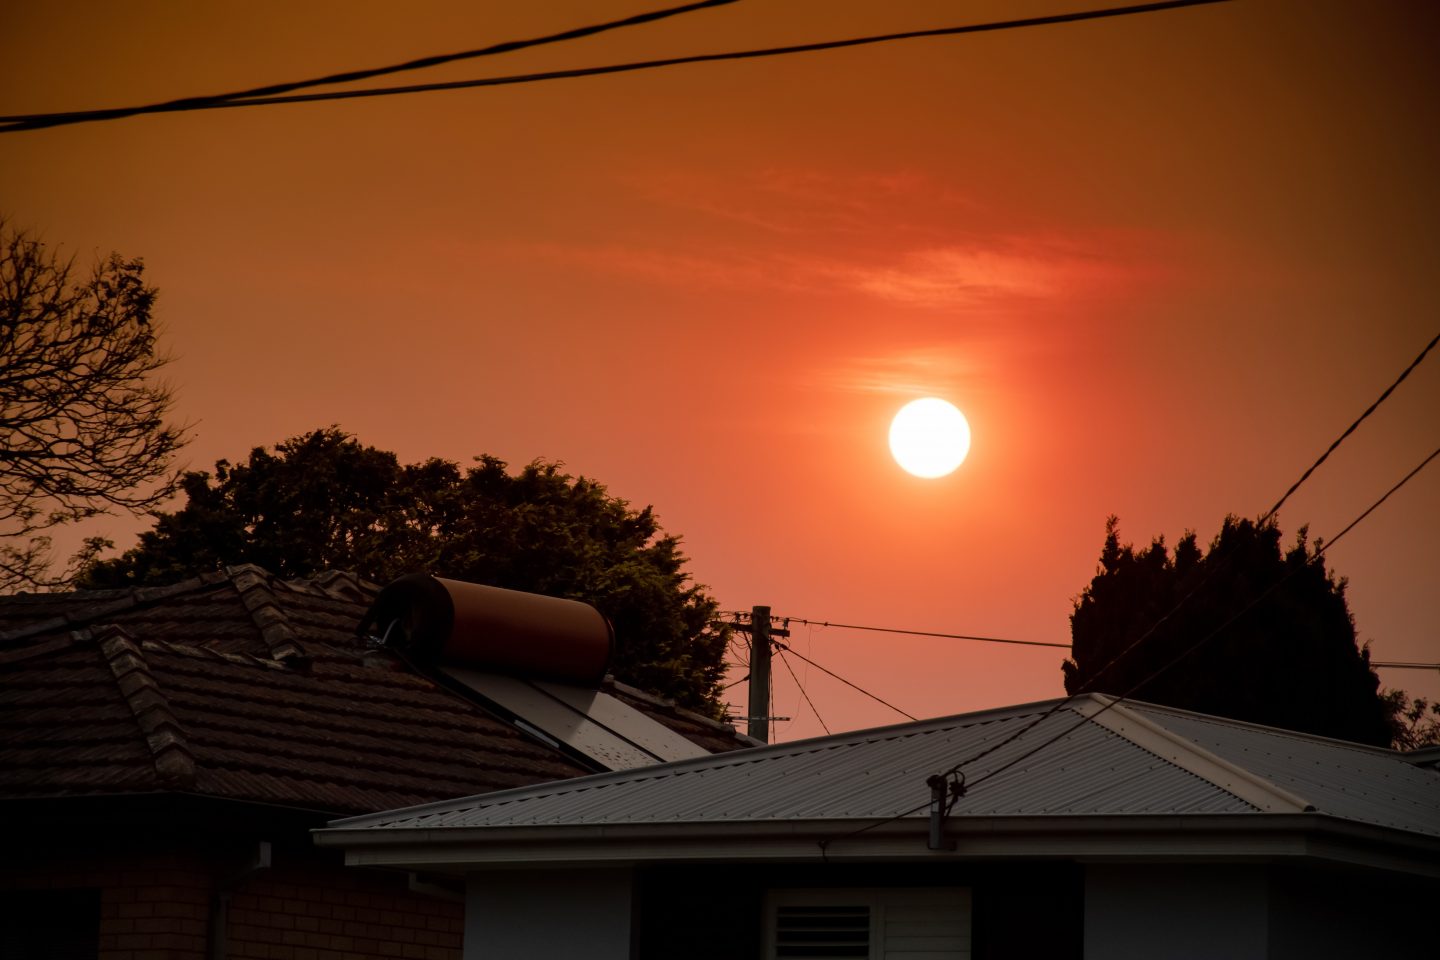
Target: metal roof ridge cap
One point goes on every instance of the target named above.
(1275, 731)
(905, 728)
(1148, 735)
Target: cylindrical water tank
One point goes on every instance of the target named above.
(450, 622)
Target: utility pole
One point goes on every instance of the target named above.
(759, 727)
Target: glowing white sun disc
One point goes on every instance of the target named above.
(929, 437)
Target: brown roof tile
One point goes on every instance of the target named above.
(242, 686)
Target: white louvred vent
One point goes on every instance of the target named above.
(822, 931)
(901, 923)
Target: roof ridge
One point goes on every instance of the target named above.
(333, 584)
(1265, 728)
(1112, 715)
(253, 585)
(134, 597)
(174, 761)
(202, 652)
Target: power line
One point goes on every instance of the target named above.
(1168, 665)
(1212, 571)
(40, 120)
(37, 121)
(1392, 665)
(1060, 704)
(801, 687)
(734, 682)
(1351, 525)
(786, 647)
(1115, 701)
(926, 633)
(1351, 429)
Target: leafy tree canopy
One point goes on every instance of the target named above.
(82, 420)
(1289, 661)
(323, 500)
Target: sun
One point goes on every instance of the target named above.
(929, 437)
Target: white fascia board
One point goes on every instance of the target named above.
(1189, 756)
(1193, 838)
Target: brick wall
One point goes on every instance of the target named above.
(316, 912)
(156, 911)
(151, 907)
(156, 906)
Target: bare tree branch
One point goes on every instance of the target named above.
(83, 428)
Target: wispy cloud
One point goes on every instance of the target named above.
(1011, 269)
(935, 277)
(914, 371)
(897, 238)
(806, 202)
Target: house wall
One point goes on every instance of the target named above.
(549, 915)
(152, 906)
(155, 902)
(1138, 911)
(1325, 910)
(307, 909)
(715, 911)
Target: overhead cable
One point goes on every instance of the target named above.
(1115, 701)
(1090, 684)
(41, 120)
(1188, 651)
(1265, 518)
(786, 647)
(801, 687)
(1350, 429)
(926, 633)
(211, 101)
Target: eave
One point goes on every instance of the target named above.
(1094, 838)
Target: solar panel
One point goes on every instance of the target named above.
(646, 733)
(589, 722)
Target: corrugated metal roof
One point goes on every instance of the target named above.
(1346, 780)
(1090, 770)
(865, 775)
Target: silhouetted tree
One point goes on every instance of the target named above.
(323, 500)
(1290, 661)
(1417, 721)
(82, 422)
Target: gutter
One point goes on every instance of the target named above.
(1156, 837)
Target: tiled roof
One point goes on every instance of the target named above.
(242, 609)
(242, 686)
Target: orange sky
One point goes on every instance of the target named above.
(1159, 262)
